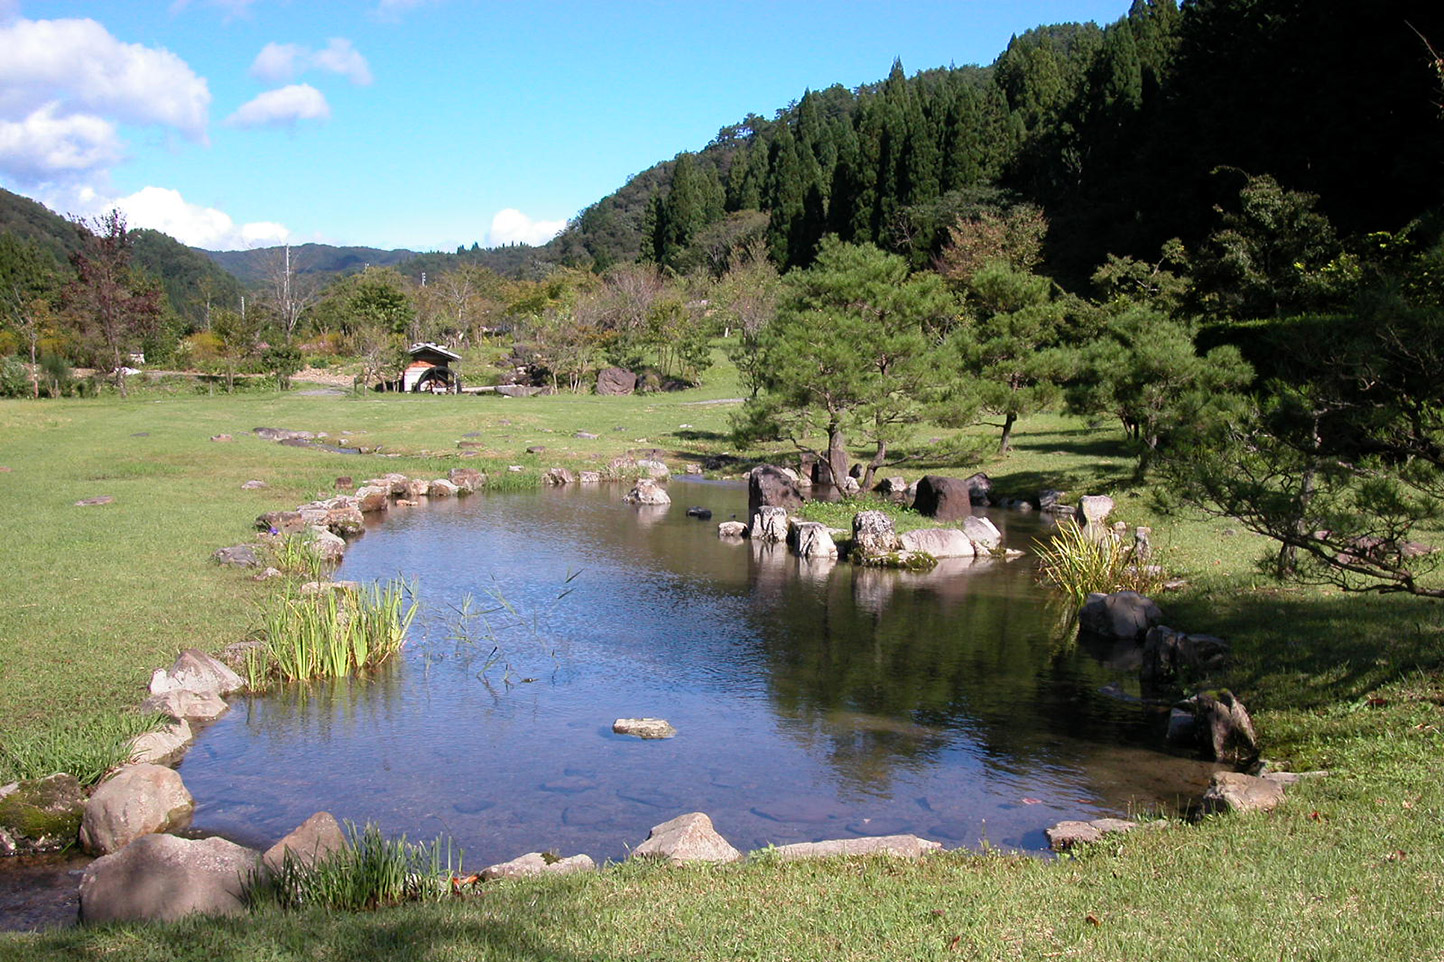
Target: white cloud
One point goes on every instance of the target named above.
(80, 66)
(511, 226)
(279, 62)
(282, 107)
(166, 210)
(47, 145)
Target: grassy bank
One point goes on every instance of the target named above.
(1352, 867)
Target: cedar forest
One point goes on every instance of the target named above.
(1218, 223)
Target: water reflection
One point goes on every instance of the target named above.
(812, 699)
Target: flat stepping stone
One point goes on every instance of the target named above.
(91, 502)
(900, 846)
(644, 727)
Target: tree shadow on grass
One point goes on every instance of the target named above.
(1298, 650)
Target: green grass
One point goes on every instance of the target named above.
(1350, 867)
(87, 746)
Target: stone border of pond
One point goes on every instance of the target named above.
(126, 820)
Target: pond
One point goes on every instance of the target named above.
(811, 700)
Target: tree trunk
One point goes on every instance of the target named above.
(836, 455)
(877, 459)
(1006, 444)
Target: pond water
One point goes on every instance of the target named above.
(811, 700)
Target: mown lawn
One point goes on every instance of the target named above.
(1351, 867)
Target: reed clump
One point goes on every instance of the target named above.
(370, 872)
(332, 633)
(1080, 561)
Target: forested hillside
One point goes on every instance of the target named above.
(1127, 135)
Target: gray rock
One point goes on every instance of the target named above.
(328, 547)
(253, 485)
(442, 488)
(644, 727)
(194, 670)
(901, 846)
(517, 390)
(586, 435)
(938, 542)
(40, 815)
(768, 486)
(313, 840)
(984, 535)
(616, 381)
(647, 491)
(873, 533)
(811, 539)
(769, 523)
(240, 556)
(281, 434)
(980, 488)
(654, 469)
(1237, 792)
(1049, 498)
(160, 747)
(372, 498)
(137, 800)
(1065, 835)
(1094, 509)
(467, 480)
(946, 499)
(535, 863)
(1228, 727)
(163, 878)
(894, 488)
(190, 705)
(1122, 615)
(558, 476)
(731, 529)
(1172, 657)
(590, 477)
(686, 838)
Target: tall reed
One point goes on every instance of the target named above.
(334, 633)
(1079, 562)
(370, 872)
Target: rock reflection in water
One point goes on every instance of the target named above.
(811, 700)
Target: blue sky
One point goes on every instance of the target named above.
(423, 123)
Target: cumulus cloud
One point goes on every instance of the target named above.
(511, 226)
(166, 210)
(282, 107)
(278, 62)
(79, 66)
(46, 144)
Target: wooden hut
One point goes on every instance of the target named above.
(430, 370)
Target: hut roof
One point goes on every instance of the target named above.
(426, 351)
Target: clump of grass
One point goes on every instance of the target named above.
(1079, 562)
(371, 872)
(333, 633)
(295, 555)
(87, 748)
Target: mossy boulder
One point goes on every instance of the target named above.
(41, 815)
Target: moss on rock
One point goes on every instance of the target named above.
(41, 815)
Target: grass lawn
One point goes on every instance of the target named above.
(1351, 867)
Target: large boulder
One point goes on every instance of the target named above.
(811, 539)
(893, 488)
(313, 840)
(731, 529)
(163, 745)
(616, 381)
(442, 488)
(323, 544)
(467, 480)
(873, 533)
(769, 486)
(938, 542)
(344, 521)
(769, 523)
(190, 705)
(558, 476)
(1226, 724)
(686, 838)
(984, 535)
(137, 800)
(1094, 509)
(164, 878)
(1171, 658)
(946, 499)
(654, 469)
(194, 670)
(901, 846)
(647, 491)
(372, 498)
(1120, 616)
(40, 815)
